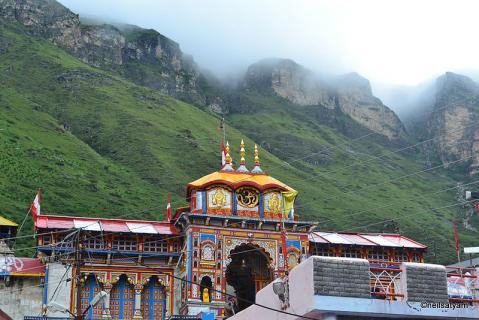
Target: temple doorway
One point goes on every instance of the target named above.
(248, 272)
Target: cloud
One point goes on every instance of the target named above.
(398, 42)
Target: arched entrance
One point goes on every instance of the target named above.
(248, 272)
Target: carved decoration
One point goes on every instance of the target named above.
(247, 197)
(268, 246)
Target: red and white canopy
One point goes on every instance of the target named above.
(365, 239)
(103, 224)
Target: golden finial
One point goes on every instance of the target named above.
(256, 155)
(228, 159)
(242, 153)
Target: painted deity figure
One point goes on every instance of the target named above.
(219, 198)
(274, 203)
(206, 295)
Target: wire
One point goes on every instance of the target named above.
(407, 215)
(390, 205)
(222, 292)
(391, 180)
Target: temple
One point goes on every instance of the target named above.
(238, 233)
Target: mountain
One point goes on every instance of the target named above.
(451, 113)
(144, 56)
(100, 142)
(351, 94)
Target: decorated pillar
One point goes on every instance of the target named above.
(137, 313)
(106, 302)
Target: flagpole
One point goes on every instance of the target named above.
(24, 220)
(456, 235)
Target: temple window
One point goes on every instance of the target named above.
(195, 242)
(47, 239)
(350, 253)
(207, 252)
(378, 255)
(123, 244)
(320, 251)
(156, 246)
(195, 254)
(93, 243)
(400, 257)
(416, 257)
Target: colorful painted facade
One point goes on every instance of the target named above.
(237, 234)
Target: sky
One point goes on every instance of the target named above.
(396, 42)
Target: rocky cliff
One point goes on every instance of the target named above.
(144, 56)
(351, 93)
(455, 120)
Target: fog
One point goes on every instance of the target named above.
(395, 44)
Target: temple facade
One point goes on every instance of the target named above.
(238, 233)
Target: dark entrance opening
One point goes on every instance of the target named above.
(205, 286)
(248, 272)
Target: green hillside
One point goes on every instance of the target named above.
(99, 145)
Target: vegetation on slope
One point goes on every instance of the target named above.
(99, 145)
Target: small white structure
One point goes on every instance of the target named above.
(334, 288)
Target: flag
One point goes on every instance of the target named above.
(168, 208)
(457, 241)
(288, 203)
(223, 154)
(283, 244)
(35, 208)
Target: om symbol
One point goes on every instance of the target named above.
(247, 197)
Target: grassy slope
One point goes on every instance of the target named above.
(127, 146)
(347, 189)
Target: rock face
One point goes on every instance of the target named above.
(455, 120)
(144, 56)
(350, 93)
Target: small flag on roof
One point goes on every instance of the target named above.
(168, 208)
(35, 208)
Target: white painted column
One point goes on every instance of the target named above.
(106, 303)
(137, 314)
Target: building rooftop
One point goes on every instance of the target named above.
(365, 239)
(103, 224)
(7, 223)
(236, 179)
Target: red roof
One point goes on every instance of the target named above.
(103, 224)
(365, 239)
(21, 267)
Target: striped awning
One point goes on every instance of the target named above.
(103, 224)
(364, 239)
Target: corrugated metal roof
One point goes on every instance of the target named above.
(384, 240)
(103, 224)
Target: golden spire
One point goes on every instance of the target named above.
(242, 153)
(256, 155)
(228, 159)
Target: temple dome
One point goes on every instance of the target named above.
(236, 179)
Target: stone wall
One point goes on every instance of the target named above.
(422, 282)
(21, 297)
(341, 277)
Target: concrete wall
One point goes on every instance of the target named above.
(422, 282)
(59, 289)
(22, 297)
(308, 299)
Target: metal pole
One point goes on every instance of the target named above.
(79, 315)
